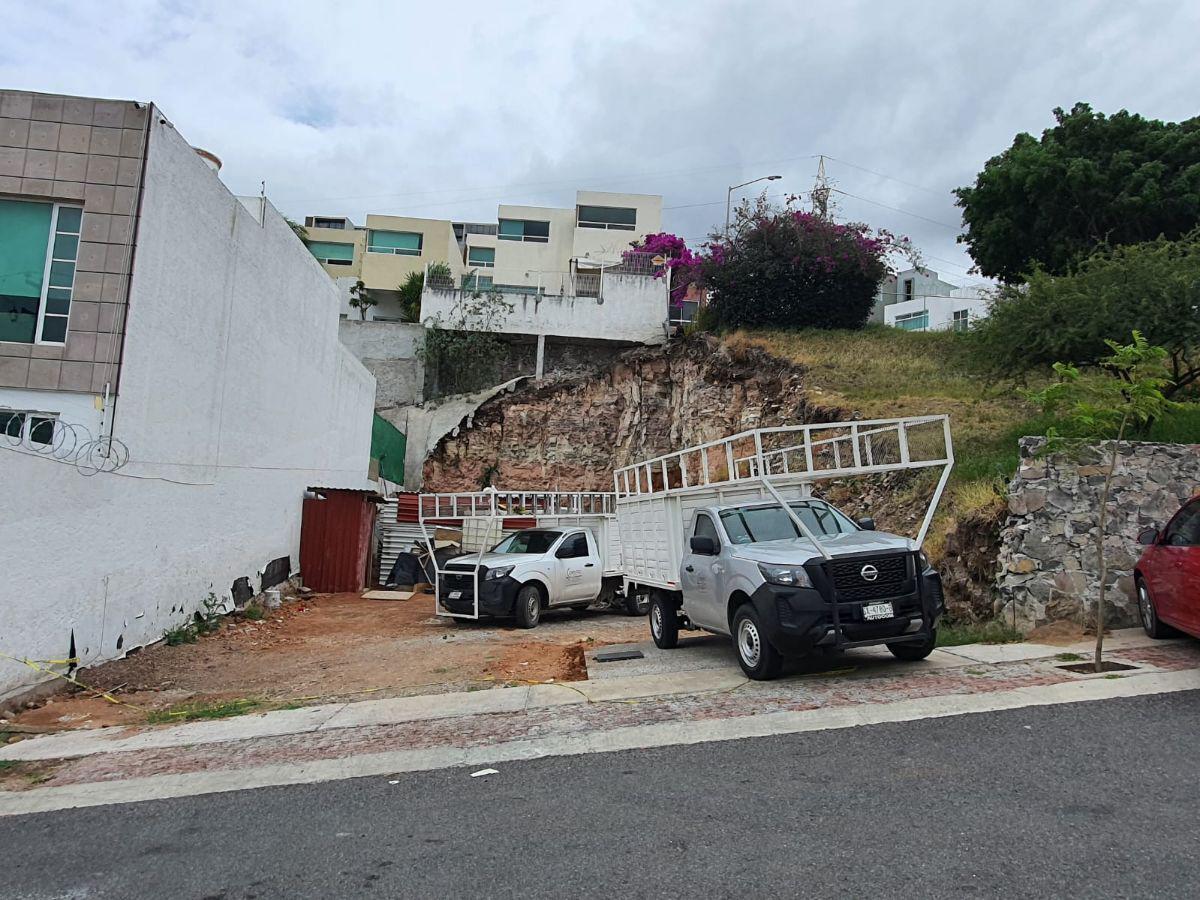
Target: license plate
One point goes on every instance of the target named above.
(873, 611)
(454, 595)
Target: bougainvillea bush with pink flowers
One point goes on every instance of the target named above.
(782, 268)
(787, 268)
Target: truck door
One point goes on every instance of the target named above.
(579, 564)
(700, 578)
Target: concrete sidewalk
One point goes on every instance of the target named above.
(692, 694)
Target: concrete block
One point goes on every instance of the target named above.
(14, 371)
(102, 169)
(37, 187)
(71, 167)
(75, 376)
(95, 230)
(43, 374)
(43, 135)
(109, 113)
(12, 161)
(78, 110)
(84, 317)
(16, 104)
(14, 132)
(47, 108)
(81, 346)
(74, 138)
(105, 142)
(98, 198)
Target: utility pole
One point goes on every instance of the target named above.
(821, 191)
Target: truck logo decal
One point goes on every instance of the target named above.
(868, 573)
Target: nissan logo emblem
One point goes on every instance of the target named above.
(868, 573)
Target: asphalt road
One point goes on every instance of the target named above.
(1091, 799)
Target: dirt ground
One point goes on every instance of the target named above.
(335, 647)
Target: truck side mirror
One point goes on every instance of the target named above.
(705, 546)
(867, 524)
(1148, 536)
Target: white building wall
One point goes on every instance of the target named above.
(529, 262)
(607, 245)
(235, 396)
(939, 311)
(634, 308)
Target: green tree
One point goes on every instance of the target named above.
(1104, 405)
(361, 299)
(409, 292)
(1152, 287)
(1091, 179)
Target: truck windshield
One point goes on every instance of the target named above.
(752, 524)
(530, 541)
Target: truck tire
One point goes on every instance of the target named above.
(915, 652)
(664, 622)
(758, 659)
(528, 606)
(637, 604)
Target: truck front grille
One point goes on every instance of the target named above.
(851, 577)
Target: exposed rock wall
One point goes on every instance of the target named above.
(570, 431)
(1048, 564)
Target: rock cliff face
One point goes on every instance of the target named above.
(569, 432)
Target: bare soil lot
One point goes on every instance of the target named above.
(335, 647)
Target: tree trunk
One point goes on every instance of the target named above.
(1108, 476)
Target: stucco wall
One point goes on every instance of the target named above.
(633, 308)
(940, 310)
(236, 395)
(389, 350)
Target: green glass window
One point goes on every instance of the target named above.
(524, 230)
(403, 243)
(913, 321)
(333, 253)
(481, 256)
(24, 238)
(613, 217)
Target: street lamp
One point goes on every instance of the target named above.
(729, 196)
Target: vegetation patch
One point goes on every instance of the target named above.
(190, 712)
(992, 632)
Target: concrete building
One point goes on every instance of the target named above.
(920, 300)
(528, 249)
(171, 383)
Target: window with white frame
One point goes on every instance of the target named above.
(917, 321)
(528, 230)
(332, 253)
(27, 427)
(962, 319)
(39, 247)
(483, 257)
(611, 217)
(400, 243)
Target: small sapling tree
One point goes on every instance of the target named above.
(1123, 396)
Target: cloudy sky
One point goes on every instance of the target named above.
(446, 109)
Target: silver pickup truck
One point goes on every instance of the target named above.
(748, 572)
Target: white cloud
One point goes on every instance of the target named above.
(444, 110)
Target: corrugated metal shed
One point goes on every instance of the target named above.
(336, 538)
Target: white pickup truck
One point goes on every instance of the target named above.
(567, 554)
(727, 538)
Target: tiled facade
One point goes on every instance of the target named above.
(73, 150)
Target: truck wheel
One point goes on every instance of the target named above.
(528, 606)
(664, 623)
(758, 659)
(915, 652)
(637, 604)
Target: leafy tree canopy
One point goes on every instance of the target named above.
(1153, 288)
(1091, 179)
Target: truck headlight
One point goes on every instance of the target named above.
(924, 560)
(788, 576)
(493, 574)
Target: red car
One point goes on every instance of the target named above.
(1168, 575)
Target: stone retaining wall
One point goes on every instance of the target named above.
(1048, 565)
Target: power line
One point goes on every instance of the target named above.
(888, 177)
(897, 209)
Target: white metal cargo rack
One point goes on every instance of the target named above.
(797, 455)
(491, 507)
